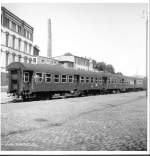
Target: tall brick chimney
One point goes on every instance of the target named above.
(49, 46)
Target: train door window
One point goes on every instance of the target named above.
(26, 76)
(70, 79)
(63, 78)
(56, 78)
(38, 77)
(92, 80)
(82, 79)
(134, 82)
(87, 79)
(48, 77)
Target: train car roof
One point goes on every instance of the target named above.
(55, 69)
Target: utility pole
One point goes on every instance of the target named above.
(146, 51)
(145, 16)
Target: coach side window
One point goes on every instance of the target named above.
(26, 77)
(82, 79)
(109, 80)
(92, 80)
(87, 79)
(63, 78)
(70, 79)
(96, 80)
(38, 77)
(48, 77)
(100, 80)
(56, 78)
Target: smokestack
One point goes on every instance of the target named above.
(49, 46)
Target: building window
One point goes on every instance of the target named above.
(30, 60)
(26, 77)
(25, 32)
(34, 60)
(13, 43)
(92, 80)
(30, 48)
(19, 44)
(7, 55)
(82, 79)
(7, 39)
(64, 78)
(25, 46)
(70, 79)
(13, 26)
(56, 78)
(13, 57)
(31, 37)
(25, 59)
(19, 29)
(19, 58)
(6, 22)
(48, 77)
(87, 79)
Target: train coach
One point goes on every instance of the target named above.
(43, 81)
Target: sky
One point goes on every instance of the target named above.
(114, 33)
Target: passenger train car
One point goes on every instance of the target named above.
(43, 80)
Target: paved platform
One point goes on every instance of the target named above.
(94, 123)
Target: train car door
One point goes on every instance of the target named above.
(76, 80)
(14, 80)
(104, 81)
(27, 78)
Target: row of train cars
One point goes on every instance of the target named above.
(36, 81)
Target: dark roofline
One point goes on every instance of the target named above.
(16, 17)
(48, 68)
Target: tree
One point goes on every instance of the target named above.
(110, 68)
(101, 66)
(119, 73)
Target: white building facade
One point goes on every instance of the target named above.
(16, 42)
(76, 62)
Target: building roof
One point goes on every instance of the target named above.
(16, 17)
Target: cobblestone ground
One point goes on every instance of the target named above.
(95, 123)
